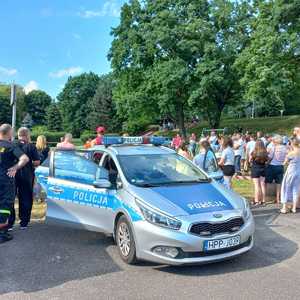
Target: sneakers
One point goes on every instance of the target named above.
(23, 226)
(5, 237)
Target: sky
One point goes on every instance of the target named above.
(43, 42)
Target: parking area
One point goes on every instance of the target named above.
(53, 262)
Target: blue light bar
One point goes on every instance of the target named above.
(133, 140)
(112, 140)
(157, 140)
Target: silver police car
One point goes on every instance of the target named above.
(158, 205)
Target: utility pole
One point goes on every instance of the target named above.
(13, 103)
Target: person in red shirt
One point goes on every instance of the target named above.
(177, 141)
(98, 140)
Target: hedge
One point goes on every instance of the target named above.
(91, 135)
(87, 135)
(52, 137)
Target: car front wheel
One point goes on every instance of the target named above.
(125, 241)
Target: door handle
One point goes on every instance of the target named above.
(56, 190)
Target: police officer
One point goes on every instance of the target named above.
(12, 159)
(25, 179)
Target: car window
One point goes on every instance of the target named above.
(112, 169)
(74, 167)
(46, 163)
(210, 163)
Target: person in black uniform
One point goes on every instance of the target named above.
(12, 159)
(25, 179)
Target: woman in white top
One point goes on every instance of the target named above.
(227, 160)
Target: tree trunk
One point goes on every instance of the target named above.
(214, 118)
(180, 120)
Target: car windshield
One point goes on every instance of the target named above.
(160, 169)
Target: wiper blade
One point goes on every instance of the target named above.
(146, 185)
(200, 180)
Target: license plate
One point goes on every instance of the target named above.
(222, 243)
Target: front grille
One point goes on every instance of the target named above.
(209, 229)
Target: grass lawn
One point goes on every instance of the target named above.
(269, 125)
(244, 188)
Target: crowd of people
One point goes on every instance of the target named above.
(268, 159)
(263, 156)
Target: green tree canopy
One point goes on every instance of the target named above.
(37, 103)
(73, 101)
(102, 108)
(270, 65)
(27, 121)
(53, 118)
(169, 57)
(5, 114)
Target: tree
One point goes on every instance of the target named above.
(5, 110)
(102, 108)
(37, 103)
(5, 114)
(170, 57)
(270, 65)
(27, 121)
(73, 101)
(53, 118)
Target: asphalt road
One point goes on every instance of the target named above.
(51, 262)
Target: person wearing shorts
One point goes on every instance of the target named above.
(227, 161)
(258, 160)
(275, 169)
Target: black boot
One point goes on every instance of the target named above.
(5, 236)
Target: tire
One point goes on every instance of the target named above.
(127, 249)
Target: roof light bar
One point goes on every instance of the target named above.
(133, 140)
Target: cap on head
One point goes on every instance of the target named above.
(100, 129)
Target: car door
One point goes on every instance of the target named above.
(72, 196)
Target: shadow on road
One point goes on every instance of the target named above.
(46, 256)
(270, 248)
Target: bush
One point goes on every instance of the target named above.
(52, 137)
(87, 135)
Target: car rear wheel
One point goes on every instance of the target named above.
(125, 241)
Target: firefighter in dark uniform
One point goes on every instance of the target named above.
(25, 179)
(11, 160)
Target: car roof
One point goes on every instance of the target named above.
(137, 149)
(140, 150)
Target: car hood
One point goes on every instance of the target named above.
(189, 199)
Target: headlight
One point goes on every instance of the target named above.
(246, 210)
(158, 218)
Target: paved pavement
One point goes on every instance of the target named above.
(51, 262)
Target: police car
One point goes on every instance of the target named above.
(158, 205)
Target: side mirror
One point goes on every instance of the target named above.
(102, 184)
(119, 184)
